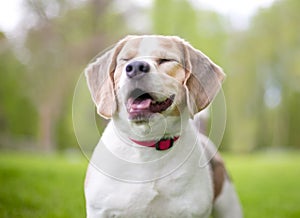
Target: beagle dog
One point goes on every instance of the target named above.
(151, 160)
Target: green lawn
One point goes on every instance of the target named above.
(41, 186)
(268, 185)
(52, 186)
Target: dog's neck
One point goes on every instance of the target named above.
(158, 127)
(119, 144)
(162, 144)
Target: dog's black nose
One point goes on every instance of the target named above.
(137, 68)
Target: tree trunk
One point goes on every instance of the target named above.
(46, 140)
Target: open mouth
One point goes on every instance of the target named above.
(141, 105)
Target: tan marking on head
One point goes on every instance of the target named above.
(177, 72)
(130, 54)
(130, 49)
(169, 49)
(166, 43)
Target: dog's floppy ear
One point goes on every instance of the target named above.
(203, 79)
(100, 79)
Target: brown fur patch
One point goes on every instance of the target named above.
(175, 112)
(219, 174)
(130, 48)
(177, 72)
(130, 54)
(166, 44)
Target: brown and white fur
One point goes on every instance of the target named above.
(125, 179)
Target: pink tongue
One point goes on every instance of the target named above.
(138, 104)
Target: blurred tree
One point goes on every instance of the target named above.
(17, 114)
(264, 89)
(262, 64)
(204, 29)
(59, 47)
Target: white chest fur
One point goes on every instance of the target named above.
(126, 181)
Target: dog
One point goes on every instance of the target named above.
(151, 160)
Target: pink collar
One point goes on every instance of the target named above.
(162, 144)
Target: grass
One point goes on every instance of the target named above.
(41, 186)
(52, 186)
(268, 184)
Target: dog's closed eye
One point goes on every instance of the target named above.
(125, 59)
(165, 60)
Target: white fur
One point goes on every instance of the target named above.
(164, 188)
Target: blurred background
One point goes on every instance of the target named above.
(45, 45)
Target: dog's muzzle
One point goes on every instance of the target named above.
(142, 105)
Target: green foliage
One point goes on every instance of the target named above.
(262, 64)
(17, 114)
(59, 48)
(264, 68)
(64, 133)
(205, 30)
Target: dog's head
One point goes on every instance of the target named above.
(144, 78)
